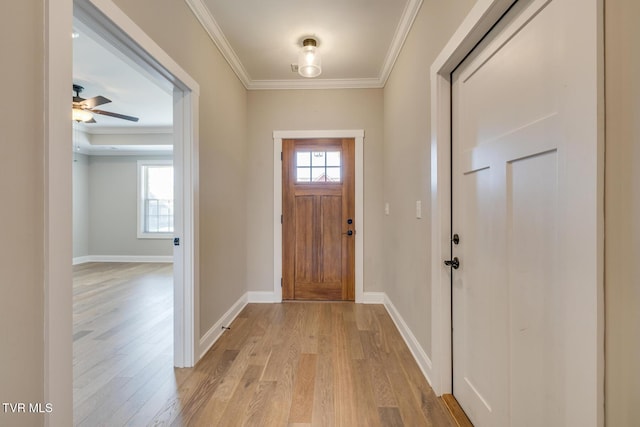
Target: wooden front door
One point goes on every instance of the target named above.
(318, 223)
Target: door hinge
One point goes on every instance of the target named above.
(281, 282)
(281, 157)
(281, 219)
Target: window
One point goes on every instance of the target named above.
(155, 199)
(318, 166)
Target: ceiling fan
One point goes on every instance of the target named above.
(84, 109)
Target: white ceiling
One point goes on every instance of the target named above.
(359, 41)
(102, 70)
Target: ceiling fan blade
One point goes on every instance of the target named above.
(95, 101)
(90, 121)
(78, 99)
(116, 115)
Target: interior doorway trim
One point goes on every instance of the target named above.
(58, 252)
(278, 136)
(117, 28)
(111, 23)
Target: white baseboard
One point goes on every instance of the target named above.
(216, 330)
(262, 297)
(412, 342)
(373, 298)
(81, 260)
(122, 258)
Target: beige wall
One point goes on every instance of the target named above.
(223, 152)
(310, 110)
(22, 209)
(622, 212)
(80, 205)
(407, 137)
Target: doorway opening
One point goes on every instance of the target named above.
(123, 210)
(110, 24)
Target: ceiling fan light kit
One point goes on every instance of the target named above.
(309, 61)
(80, 115)
(84, 109)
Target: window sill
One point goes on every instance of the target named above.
(165, 236)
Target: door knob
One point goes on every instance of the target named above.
(453, 263)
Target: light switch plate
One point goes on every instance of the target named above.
(386, 208)
(418, 209)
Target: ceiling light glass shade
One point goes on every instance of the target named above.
(309, 61)
(80, 115)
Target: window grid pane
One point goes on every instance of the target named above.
(318, 166)
(303, 158)
(333, 158)
(304, 174)
(333, 175)
(318, 175)
(318, 159)
(158, 216)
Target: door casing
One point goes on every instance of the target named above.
(57, 250)
(126, 36)
(482, 17)
(278, 136)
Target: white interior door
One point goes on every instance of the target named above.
(524, 183)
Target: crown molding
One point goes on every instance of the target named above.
(402, 31)
(212, 28)
(316, 84)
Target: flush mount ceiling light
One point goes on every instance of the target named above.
(309, 62)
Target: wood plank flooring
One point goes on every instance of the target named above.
(290, 364)
(123, 342)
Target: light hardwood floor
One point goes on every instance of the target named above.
(290, 364)
(123, 341)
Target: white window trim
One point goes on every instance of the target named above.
(140, 198)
